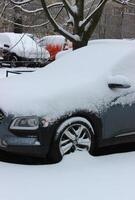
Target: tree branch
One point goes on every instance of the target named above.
(92, 15)
(21, 3)
(89, 28)
(69, 8)
(90, 9)
(23, 25)
(4, 8)
(37, 10)
(33, 26)
(58, 28)
(122, 2)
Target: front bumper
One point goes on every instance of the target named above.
(29, 146)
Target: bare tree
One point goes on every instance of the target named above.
(83, 26)
(83, 19)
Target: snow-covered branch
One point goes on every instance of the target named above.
(39, 9)
(69, 8)
(90, 8)
(91, 25)
(23, 25)
(26, 10)
(125, 2)
(31, 26)
(4, 8)
(57, 27)
(21, 3)
(92, 14)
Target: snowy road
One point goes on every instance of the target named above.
(78, 177)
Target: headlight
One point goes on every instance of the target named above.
(25, 123)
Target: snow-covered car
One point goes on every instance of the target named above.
(54, 44)
(35, 38)
(63, 53)
(83, 101)
(20, 50)
(91, 42)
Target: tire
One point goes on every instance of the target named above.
(13, 60)
(73, 134)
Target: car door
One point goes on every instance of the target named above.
(119, 117)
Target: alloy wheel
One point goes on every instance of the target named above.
(13, 61)
(76, 137)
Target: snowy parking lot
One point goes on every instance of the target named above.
(78, 177)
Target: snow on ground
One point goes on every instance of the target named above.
(78, 177)
(3, 72)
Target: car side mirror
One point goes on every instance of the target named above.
(118, 81)
(6, 45)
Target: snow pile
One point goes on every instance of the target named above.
(53, 40)
(75, 82)
(22, 45)
(79, 176)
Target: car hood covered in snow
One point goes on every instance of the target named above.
(75, 82)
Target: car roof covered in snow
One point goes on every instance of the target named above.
(59, 86)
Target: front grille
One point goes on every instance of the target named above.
(1, 116)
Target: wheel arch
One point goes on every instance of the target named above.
(14, 54)
(92, 118)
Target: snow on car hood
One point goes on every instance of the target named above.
(76, 81)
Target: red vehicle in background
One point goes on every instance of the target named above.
(54, 44)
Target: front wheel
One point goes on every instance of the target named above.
(13, 61)
(74, 134)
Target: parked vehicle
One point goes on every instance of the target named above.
(54, 44)
(1, 58)
(84, 101)
(35, 38)
(21, 50)
(107, 41)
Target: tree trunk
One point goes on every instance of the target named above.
(18, 20)
(77, 45)
(18, 28)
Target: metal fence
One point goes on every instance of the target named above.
(17, 72)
